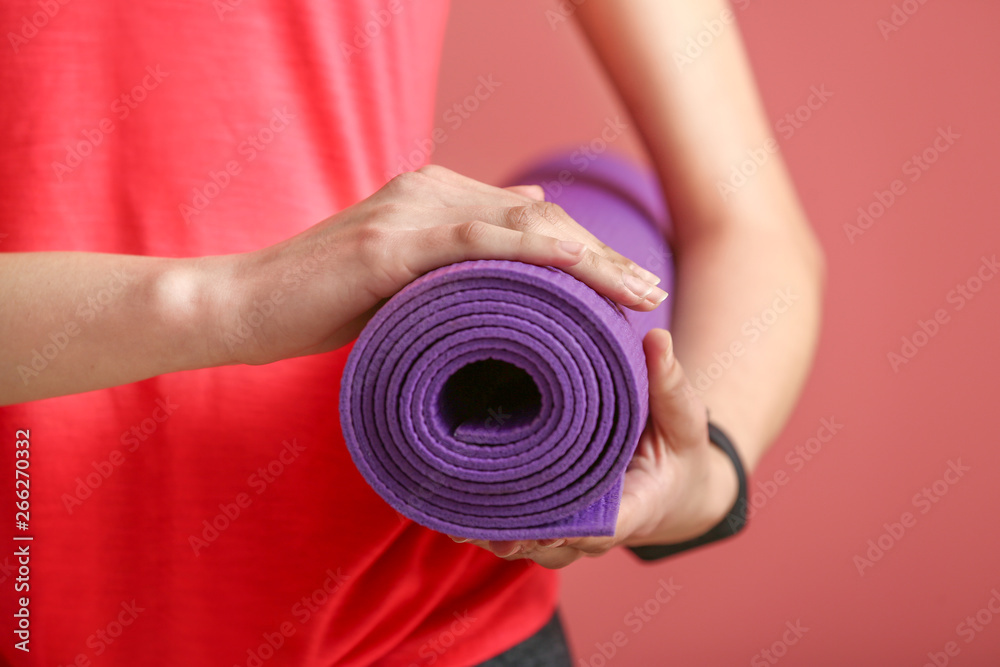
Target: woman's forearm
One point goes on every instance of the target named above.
(74, 321)
(746, 313)
(746, 323)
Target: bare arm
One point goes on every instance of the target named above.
(740, 249)
(72, 322)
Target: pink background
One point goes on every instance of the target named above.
(900, 429)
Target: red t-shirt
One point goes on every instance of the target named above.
(215, 517)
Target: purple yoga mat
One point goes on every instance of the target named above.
(499, 400)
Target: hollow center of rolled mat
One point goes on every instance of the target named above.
(486, 395)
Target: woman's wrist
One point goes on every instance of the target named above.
(706, 494)
(197, 302)
(721, 491)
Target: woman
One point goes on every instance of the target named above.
(167, 298)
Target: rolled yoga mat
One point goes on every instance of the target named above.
(499, 400)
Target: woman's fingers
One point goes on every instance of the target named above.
(551, 219)
(458, 219)
(553, 554)
(476, 239)
(619, 284)
(607, 271)
(519, 207)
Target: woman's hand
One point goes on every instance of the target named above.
(314, 292)
(677, 486)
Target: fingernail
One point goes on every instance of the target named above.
(460, 540)
(571, 247)
(648, 276)
(557, 543)
(515, 550)
(637, 285)
(657, 296)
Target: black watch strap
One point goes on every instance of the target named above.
(731, 524)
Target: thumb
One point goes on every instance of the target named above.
(677, 413)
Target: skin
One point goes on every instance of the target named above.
(733, 255)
